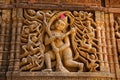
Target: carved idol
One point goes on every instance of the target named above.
(61, 41)
(62, 45)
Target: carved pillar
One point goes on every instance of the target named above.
(12, 51)
(4, 36)
(3, 26)
(104, 49)
(108, 39)
(19, 25)
(7, 38)
(0, 39)
(113, 42)
(100, 55)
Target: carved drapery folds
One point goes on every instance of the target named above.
(62, 41)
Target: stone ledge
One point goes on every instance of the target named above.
(60, 74)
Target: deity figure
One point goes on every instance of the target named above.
(61, 38)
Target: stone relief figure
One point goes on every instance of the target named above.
(93, 62)
(61, 41)
(117, 34)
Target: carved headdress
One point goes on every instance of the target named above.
(62, 18)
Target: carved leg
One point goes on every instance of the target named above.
(24, 47)
(25, 52)
(47, 62)
(24, 55)
(23, 61)
(59, 64)
(74, 64)
(34, 50)
(39, 64)
(27, 67)
(96, 66)
(68, 60)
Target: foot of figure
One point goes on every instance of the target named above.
(47, 70)
(61, 69)
(81, 65)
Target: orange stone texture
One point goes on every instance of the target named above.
(59, 40)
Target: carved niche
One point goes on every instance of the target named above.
(62, 41)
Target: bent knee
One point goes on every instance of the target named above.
(81, 65)
(67, 63)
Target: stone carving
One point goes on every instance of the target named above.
(117, 27)
(113, 4)
(117, 34)
(61, 46)
(61, 41)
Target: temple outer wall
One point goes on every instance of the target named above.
(11, 21)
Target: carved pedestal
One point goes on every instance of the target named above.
(60, 76)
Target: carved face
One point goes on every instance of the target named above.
(34, 38)
(60, 25)
(88, 23)
(26, 30)
(31, 12)
(92, 56)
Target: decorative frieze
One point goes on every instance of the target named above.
(61, 39)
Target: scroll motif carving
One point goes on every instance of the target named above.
(62, 41)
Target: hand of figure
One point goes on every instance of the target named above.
(56, 50)
(53, 37)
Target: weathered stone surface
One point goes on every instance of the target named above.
(61, 76)
(59, 39)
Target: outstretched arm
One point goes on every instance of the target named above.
(72, 31)
(48, 40)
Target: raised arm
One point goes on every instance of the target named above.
(67, 34)
(48, 40)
